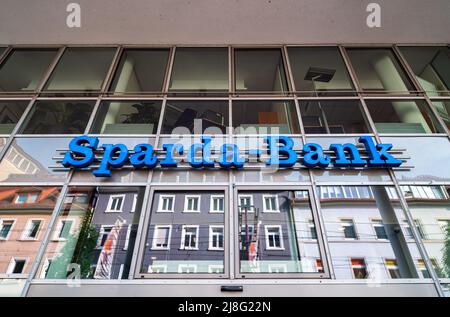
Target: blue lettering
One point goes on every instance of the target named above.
(76, 147)
(275, 151)
(143, 156)
(313, 156)
(108, 161)
(341, 159)
(168, 160)
(378, 154)
(236, 161)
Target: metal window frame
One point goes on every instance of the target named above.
(141, 244)
(241, 189)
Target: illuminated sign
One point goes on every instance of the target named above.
(84, 151)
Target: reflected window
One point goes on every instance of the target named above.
(16, 266)
(265, 117)
(378, 70)
(359, 269)
(58, 117)
(127, 117)
(377, 220)
(378, 227)
(183, 242)
(10, 113)
(199, 117)
(392, 268)
(402, 116)
(217, 204)
(280, 241)
(319, 71)
(431, 66)
(24, 69)
(443, 108)
(259, 70)
(5, 228)
(141, 70)
(333, 117)
(200, 70)
(32, 229)
(82, 69)
(216, 237)
(432, 215)
(87, 238)
(348, 228)
(21, 226)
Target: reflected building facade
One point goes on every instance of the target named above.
(178, 231)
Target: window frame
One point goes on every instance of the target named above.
(341, 223)
(160, 203)
(60, 227)
(352, 267)
(211, 241)
(28, 228)
(277, 205)
(178, 190)
(186, 204)
(183, 237)
(2, 220)
(267, 239)
(250, 189)
(252, 204)
(155, 230)
(211, 204)
(377, 222)
(13, 263)
(110, 203)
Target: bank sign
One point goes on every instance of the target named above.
(86, 153)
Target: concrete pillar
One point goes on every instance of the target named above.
(393, 230)
(391, 80)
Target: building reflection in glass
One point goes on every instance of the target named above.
(94, 234)
(368, 234)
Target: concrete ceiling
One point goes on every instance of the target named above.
(223, 22)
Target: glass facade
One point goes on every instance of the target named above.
(384, 226)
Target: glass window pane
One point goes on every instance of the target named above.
(265, 117)
(259, 70)
(141, 70)
(10, 113)
(431, 215)
(319, 70)
(185, 245)
(377, 253)
(31, 160)
(81, 69)
(184, 117)
(431, 65)
(88, 239)
(421, 170)
(200, 69)
(402, 116)
(127, 117)
(277, 242)
(58, 117)
(24, 68)
(443, 108)
(331, 117)
(15, 221)
(378, 70)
